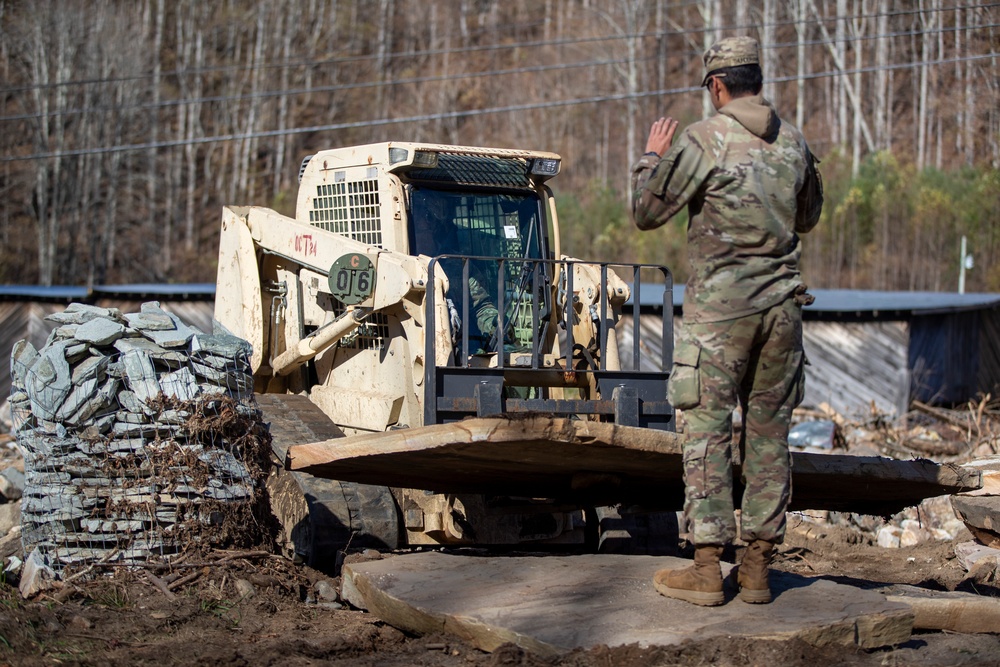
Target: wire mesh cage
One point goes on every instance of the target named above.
(141, 438)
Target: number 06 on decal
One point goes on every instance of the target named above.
(352, 279)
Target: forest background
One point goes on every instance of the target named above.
(126, 125)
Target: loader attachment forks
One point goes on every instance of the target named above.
(555, 350)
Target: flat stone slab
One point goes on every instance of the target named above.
(553, 604)
(596, 463)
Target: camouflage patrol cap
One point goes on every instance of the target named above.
(730, 52)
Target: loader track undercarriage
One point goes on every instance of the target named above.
(321, 517)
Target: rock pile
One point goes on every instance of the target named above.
(140, 436)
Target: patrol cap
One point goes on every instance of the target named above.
(730, 52)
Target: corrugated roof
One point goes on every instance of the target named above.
(43, 293)
(841, 304)
(69, 293)
(831, 304)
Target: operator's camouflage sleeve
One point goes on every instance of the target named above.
(484, 308)
(747, 197)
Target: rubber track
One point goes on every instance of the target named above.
(341, 514)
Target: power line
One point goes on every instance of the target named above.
(451, 114)
(485, 47)
(437, 78)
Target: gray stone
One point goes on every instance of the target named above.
(225, 364)
(76, 351)
(213, 375)
(140, 343)
(126, 417)
(101, 399)
(49, 381)
(81, 313)
(46, 446)
(553, 605)
(81, 395)
(177, 336)
(36, 576)
(326, 591)
(169, 358)
(140, 376)
(91, 367)
(245, 589)
(224, 464)
(105, 526)
(99, 332)
(67, 332)
(11, 483)
(22, 357)
(150, 321)
(126, 445)
(220, 345)
(124, 430)
(179, 384)
(35, 478)
(173, 417)
(99, 424)
(227, 493)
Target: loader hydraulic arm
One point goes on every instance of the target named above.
(366, 279)
(318, 341)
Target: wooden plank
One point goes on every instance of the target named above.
(591, 462)
(546, 457)
(948, 611)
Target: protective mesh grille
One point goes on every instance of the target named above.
(349, 208)
(475, 170)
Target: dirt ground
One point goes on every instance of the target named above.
(134, 618)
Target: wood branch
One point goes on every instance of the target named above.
(160, 584)
(187, 579)
(943, 415)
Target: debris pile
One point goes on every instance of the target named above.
(968, 436)
(140, 438)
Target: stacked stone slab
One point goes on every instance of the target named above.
(140, 437)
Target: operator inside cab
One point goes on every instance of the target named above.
(472, 229)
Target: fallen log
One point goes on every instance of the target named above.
(945, 610)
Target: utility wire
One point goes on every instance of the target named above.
(485, 47)
(450, 114)
(437, 78)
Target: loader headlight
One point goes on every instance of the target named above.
(546, 167)
(397, 155)
(422, 159)
(425, 159)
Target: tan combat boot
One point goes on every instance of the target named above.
(752, 576)
(700, 584)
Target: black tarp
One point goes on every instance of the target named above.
(955, 357)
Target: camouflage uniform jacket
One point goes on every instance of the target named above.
(750, 183)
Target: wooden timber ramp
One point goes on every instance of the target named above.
(598, 463)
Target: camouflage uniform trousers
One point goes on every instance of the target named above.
(756, 360)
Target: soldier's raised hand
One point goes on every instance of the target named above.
(661, 135)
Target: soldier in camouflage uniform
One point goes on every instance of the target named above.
(750, 185)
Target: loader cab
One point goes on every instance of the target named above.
(484, 242)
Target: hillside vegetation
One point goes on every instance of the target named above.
(126, 125)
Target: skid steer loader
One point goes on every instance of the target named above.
(436, 372)
(419, 304)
